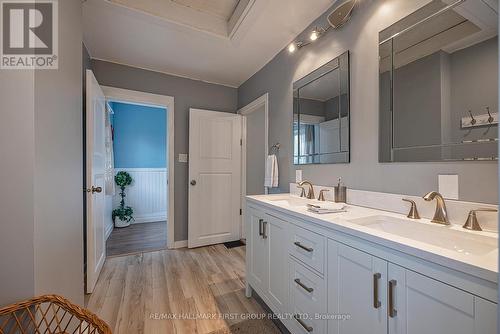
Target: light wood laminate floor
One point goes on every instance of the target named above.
(135, 292)
(137, 238)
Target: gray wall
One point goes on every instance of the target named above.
(477, 181)
(58, 164)
(41, 148)
(17, 180)
(188, 94)
(256, 154)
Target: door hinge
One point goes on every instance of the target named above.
(241, 212)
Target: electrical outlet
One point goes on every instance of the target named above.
(183, 157)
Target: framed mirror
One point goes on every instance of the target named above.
(321, 114)
(439, 84)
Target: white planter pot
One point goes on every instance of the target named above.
(121, 223)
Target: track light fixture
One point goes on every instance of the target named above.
(338, 18)
(314, 35)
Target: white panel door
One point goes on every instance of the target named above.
(424, 305)
(356, 287)
(215, 177)
(96, 152)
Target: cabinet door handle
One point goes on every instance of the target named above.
(260, 226)
(303, 286)
(376, 302)
(264, 229)
(392, 311)
(307, 249)
(309, 329)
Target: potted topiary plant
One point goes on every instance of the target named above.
(122, 216)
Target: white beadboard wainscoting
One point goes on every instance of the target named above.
(147, 194)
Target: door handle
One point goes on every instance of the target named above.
(392, 311)
(302, 285)
(193, 182)
(308, 329)
(307, 249)
(260, 226)
(264, 229)
(376, 302)
(94, 190)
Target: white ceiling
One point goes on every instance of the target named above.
(221, 8)
(145, 38)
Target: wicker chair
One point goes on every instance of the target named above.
(49, 314)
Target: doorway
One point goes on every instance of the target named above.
(139, 200)
(100, 172)
(143, 131)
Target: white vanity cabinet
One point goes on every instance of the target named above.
(357, 288)
(382, 297)
(301, 270)
(267, 257)
(423, 305)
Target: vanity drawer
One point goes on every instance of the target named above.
(308, 247)
(307, 298)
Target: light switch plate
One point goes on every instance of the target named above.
(298, 175)
(183, 157)
(448, 186)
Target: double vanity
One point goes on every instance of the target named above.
(370, 268)
(368, 271)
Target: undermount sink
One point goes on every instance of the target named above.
(290, 201)
(441, 236)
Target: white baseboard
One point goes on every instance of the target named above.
(108, 231)
(180, 244)
(152, 218)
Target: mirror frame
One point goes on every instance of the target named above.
(311, 77)
(410, 22)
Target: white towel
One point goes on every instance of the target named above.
(271, 178)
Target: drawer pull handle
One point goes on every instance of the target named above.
(303, 286)
(392, 311)
(307, 249)
(302, 323)
(376, 302)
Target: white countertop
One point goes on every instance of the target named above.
(483, 265)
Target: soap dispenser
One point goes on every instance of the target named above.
(340, 192)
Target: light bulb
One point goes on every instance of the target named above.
(292, 47)
(314, 35)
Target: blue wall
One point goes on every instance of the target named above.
(140, 135)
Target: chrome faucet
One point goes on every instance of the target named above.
(441, 215)
(310, 193)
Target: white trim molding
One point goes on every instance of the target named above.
(253, 106)
(155, 100)
(180, 244)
